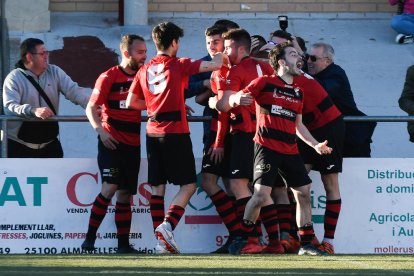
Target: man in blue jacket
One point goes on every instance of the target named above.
(335, 81)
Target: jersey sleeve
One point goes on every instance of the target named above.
(136, 87)
(190, 66)
(255, 86)
(222, 129)
(101, 89)
(234, 80)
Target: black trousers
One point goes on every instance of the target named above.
(17, 150)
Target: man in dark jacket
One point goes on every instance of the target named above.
(335, 81)
(406, 100)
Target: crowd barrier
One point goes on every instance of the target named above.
(45, 206)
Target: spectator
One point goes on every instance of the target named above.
(119, 153)
(32, 90)
(403, 22)
(406, 100)
(335, 81)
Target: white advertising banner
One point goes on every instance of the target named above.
(45, 207)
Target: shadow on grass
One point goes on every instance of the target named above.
(32, 270)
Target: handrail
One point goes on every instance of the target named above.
(5, 118)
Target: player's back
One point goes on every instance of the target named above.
(318, 107)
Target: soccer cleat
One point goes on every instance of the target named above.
(127, 250)
(88, 245)
(160, 248)
(237, 245)
(165, 235)
(274, 247)
(224, 249)
(315, 241)
(327, 247)
(291, 245)
(262, 241)
(253, 246)
(310, 249)
(404, 39)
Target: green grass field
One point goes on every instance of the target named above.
(205, 264)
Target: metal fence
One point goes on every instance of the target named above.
(4, 119)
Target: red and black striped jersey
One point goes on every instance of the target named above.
(243, 118)
(318, 107)
(277, 106)
(110, 92)
(161, 83)
(219, 120)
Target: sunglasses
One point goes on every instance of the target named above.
(45, 53)
(314, 58)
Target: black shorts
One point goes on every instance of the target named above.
(334, 132)
(120, 166)
(221, 169)
(171, 159)
(241, 157)
(268, 164)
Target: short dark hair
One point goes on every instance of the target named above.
(127, 40)
(277, 53)
(164, 33)
(302, 43)
(240, 36)
(228, 24)
(215, 30)
(28, 46)
(282, 34)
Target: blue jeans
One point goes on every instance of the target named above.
(403, 23)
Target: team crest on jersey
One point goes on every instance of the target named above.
(156, 79)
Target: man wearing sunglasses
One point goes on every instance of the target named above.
(335, 81)
(32, 90)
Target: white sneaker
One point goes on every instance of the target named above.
(160, 248)
(404, 39)
(165, 235)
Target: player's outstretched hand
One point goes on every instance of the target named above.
(322, 148)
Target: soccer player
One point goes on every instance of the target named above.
(170, 156)
(243, 70)
(217, 155)
(325, 122)
(279, 102)
(119, 152)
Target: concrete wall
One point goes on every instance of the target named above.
(230, 6)
(27, 16)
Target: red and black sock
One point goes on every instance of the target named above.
(98, 212)
(333, 208)
(306, 234)
(241, 206)
(157, 210)
(123, 216)
(227, 212)
(284, 215)
(269, 217)
(174, 215)
(247, 228)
